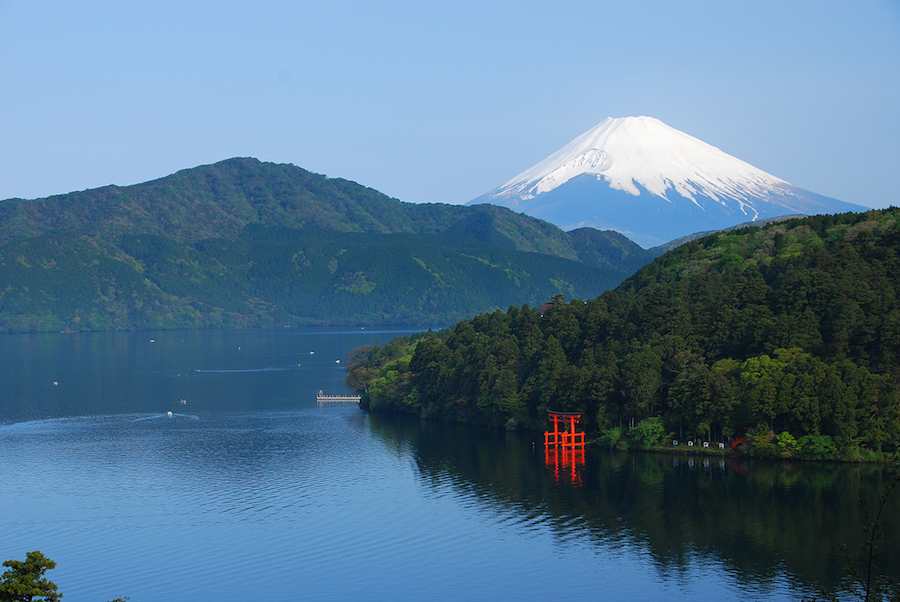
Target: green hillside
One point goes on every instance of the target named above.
(790, 333)
(220, 200)
(243, 243)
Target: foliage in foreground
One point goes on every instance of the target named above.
(25, 581)
(788, 335)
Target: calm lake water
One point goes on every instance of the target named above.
(253, 490)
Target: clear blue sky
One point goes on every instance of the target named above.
(441, 101)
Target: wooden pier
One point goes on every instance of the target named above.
(322, 398)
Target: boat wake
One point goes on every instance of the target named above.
(266, 369)
(166, 415)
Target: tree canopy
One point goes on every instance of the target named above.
(789, 333)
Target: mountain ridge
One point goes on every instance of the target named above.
(243, 243)
(222, 198)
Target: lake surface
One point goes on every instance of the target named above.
(252, 489)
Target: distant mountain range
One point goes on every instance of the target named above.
(244, 243)
(653, 183)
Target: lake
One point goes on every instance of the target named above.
(252, 489)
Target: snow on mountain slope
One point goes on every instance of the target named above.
(653, 183)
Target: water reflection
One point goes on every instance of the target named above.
(564, 464)
(763, 522)
(250, 469)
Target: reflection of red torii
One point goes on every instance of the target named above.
(567, 439)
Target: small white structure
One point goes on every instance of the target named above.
(322, 398)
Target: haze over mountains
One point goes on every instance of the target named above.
(653, 183)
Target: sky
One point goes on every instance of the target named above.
(441, 101)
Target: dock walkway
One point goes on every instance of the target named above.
(321, 397)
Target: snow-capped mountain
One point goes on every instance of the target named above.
(653, 183)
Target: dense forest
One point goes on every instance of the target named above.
(788, 334)
(273, 277)
(243, 243)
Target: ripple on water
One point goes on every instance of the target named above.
(150, 508)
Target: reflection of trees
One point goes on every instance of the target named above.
(757, 518)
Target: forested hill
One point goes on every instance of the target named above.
(790, 333)
(220, 200)
(244, 243)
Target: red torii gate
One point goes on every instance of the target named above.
(567, 439)
(564, 449)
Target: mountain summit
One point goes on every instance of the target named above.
(652, 183)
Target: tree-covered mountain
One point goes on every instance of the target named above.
(790, 332)
(220, 200)
(245, 243)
